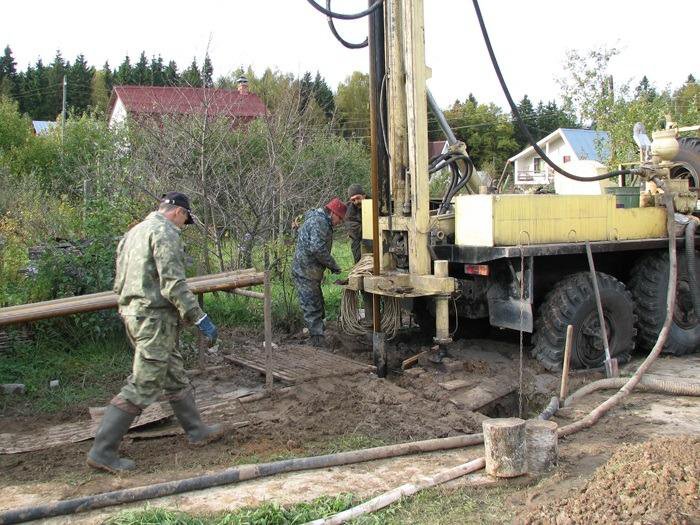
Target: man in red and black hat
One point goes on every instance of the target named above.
(311, 258)
(153, 295)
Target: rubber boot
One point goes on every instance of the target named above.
(104, 454)
(198, 433)
(319, 341)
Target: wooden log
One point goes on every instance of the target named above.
(541, 445)
(104, 300)
(504, 447)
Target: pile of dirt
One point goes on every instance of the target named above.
(652, 482)
(359, 404)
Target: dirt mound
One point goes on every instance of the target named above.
(652, 482)
(360, 404)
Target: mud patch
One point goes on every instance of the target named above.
(651, 482)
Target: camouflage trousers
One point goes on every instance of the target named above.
(158, 366)
(311, 301)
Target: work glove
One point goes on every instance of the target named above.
(208, 329)
(336, 270)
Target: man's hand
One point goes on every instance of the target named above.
(208, 329)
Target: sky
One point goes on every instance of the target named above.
(530, 38)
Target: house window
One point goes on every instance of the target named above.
(567, 158)
(537, 164)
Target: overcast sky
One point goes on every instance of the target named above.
(530, 38)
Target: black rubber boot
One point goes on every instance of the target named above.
(319, 341)
(104, 454)
(187, 414)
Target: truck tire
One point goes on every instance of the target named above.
(572, 302)
(689, 157)
(649, 286)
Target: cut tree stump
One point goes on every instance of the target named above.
(504, 447)
(541, 445)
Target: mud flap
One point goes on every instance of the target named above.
(506, 309)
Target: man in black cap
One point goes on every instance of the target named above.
(153, 295)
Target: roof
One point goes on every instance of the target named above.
(42, 126)
(587, 144)
(436, 147)
(157, 100)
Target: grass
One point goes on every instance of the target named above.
(266, 514)
(437, 506)
(85, 373)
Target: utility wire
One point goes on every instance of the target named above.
(343, 16)
(339, 38)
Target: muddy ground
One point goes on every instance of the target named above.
(339, 413)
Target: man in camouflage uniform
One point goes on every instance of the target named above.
(150, 283)
(353, 224)
(311, 258)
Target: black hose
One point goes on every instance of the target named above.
(551, 409)
(343, 16)
(690, 229)
(339, 38)
(518, 118)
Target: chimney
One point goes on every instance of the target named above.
(242, 85)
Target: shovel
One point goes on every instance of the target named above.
(611, 368)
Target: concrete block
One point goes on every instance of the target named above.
(13, 389)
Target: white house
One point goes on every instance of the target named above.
(562, 145)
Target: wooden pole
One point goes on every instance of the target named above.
(564, 390)
(504, 447)
(267, 308)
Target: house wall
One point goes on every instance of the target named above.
(118, 114)
(556, 149)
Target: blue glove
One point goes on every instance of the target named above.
(208, 329)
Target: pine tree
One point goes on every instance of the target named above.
(192, 76)
(306, 87)
(157, 72)
(99, 92)
(324, 96)
(108, 76)
(170, 75)
(79, 85)
(34, 93)
(141, 74)
(208, 72)
(122, 76)
(527, 113)
(645, 90)
(9, 82)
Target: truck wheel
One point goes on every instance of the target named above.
(689, 157)
(649, 285)
(572, 302)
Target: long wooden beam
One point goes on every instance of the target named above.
(105, 300)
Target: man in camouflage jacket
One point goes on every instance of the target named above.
(311, 258)
(153, 295)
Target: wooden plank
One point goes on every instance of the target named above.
(484, 393)
(411, 361)
(78, 431)
(259, 368)
(455, 384)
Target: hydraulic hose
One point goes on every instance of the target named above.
(231, 475)
(521, 123)
(690, 229)
(337, 36)
(648, 383)
(342, 16)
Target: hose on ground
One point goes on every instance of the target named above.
(550, 409)
(348, 319)
(690, 229)
(653, 384)
(231, 475)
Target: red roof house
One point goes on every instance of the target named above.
(138, 102)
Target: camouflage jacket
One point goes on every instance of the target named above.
(314, 243)
(150, 277)
(353, 221)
